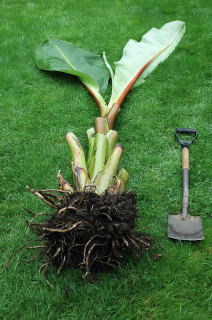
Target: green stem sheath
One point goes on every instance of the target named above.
(123, 176)
(112, 137)
(101, 144)
(105, 179)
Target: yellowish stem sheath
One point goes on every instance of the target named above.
(79, 163)
(123, 176)
(91, 141)
(120, 182)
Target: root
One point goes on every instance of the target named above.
(36, 214)
(63, 230)
(36, 247)
(61, 265)
(43, 198)
(88, 231)
(32, 259)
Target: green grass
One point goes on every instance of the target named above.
(38, 108)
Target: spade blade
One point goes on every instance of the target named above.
(187, 228)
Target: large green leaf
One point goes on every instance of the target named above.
(89, 67)
(141, 58)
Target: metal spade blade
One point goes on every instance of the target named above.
(185, 228)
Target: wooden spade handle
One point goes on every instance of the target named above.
(185, 158)
(185, 167)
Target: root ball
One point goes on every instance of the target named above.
(92, 232)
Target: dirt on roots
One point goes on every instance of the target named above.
(89, 231)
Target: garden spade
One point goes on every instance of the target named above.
(184, 226)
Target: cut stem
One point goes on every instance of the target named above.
(101, 144)
(91, 145)
(105, 179)
(101, 125)
(112, 137)
(79, 164)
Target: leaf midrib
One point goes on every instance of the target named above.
(153, 58)
(64, 56)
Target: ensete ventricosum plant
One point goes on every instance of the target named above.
(93, 223)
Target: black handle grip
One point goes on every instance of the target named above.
(186, 131)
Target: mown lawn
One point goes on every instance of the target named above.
(38, 108)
